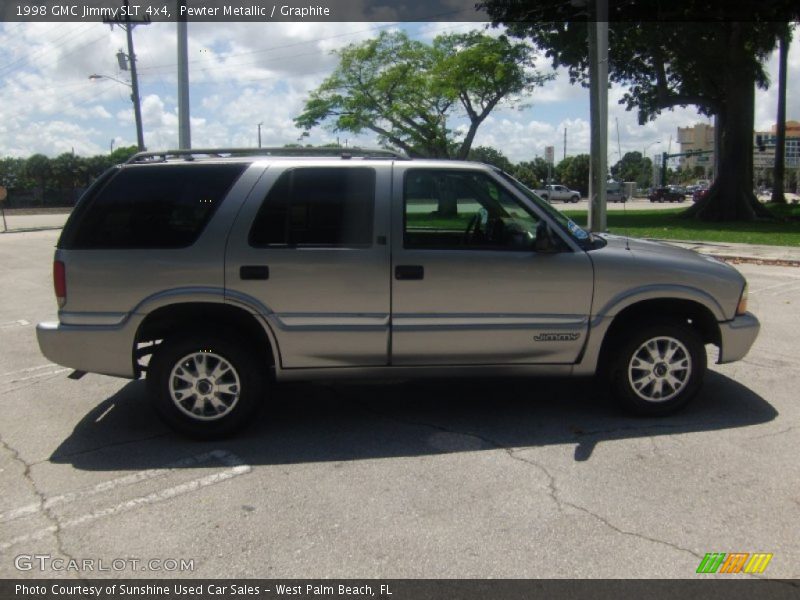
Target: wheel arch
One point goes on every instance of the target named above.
(692, 312)
(218, 317)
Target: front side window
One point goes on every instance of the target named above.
(325, 207)
(464, 210)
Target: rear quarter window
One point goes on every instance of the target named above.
(150, 206)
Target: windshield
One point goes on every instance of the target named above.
(575, 231)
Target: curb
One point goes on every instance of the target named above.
(30, 229)
(752, 260)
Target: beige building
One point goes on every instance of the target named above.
(692, 139)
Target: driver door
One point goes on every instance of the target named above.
(468, 287)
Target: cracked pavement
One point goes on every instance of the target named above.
(486, 478)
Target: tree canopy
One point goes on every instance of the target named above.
(633, 167)
(712, 65)
(408, 92)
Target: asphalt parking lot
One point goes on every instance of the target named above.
(521, 478)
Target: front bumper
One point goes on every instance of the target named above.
(101, 349)
(737, 336)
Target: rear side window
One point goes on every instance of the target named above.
(326, 207)
(152, 206)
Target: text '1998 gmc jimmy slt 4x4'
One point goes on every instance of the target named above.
(213, 272)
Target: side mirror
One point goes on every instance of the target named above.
(545, 242)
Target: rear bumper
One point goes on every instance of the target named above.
(92, 348)
(737, 336)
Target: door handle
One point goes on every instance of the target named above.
(405, 272)
(254, 272)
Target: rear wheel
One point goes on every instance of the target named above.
(205, 386)
(658, 369)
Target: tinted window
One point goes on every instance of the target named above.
(317, 207)
(464, 210)
(153, 206)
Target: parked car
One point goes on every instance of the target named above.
(616, 196)
(699, 194)
(215, 273)
(551, 193)
(666, 194)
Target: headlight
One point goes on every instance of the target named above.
(741, 308)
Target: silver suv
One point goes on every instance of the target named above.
(215, 272)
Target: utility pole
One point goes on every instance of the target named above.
(259, 133)
(780, 138)
(128, 24)
(565, 143)
(184, 127)
(598, 107)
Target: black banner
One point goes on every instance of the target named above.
(88, 11)
(399, 589)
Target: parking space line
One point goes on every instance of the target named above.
(29, 369)
(235, 468)
(223, 456)
(166, 494)
(29, 377)
(15, 323)
(777, 285)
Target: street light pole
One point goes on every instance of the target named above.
(259, 134)
(136, 111)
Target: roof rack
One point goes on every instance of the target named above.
(189, 155)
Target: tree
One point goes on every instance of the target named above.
(713, 64)
(576, 173)
(37, 169)
(490, 156)
(123, 153)
(633, 167)
(406, 91)
(68, 172)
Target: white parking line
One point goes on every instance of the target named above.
(236, 468)
(45, 374)
(29, 369)
(17, 323)
(777, 285)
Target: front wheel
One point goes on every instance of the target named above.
(205, 386)
(658, 369)
(575, 199)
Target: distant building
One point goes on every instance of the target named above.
(765, 159)
(699, 137)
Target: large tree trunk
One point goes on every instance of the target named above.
(731, 197)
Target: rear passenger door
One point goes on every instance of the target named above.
(309, 252)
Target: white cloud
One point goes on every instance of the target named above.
(243, 74)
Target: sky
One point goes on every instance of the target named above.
(242, 74)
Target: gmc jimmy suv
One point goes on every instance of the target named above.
(213, 272)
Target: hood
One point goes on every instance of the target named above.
(651, 249)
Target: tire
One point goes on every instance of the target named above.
(575, 199)
(545, 198)
(233, 395)
(669, 383)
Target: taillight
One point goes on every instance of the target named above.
(60, 282)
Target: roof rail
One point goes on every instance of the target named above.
(189, 155)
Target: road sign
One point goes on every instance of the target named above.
(549, 154)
